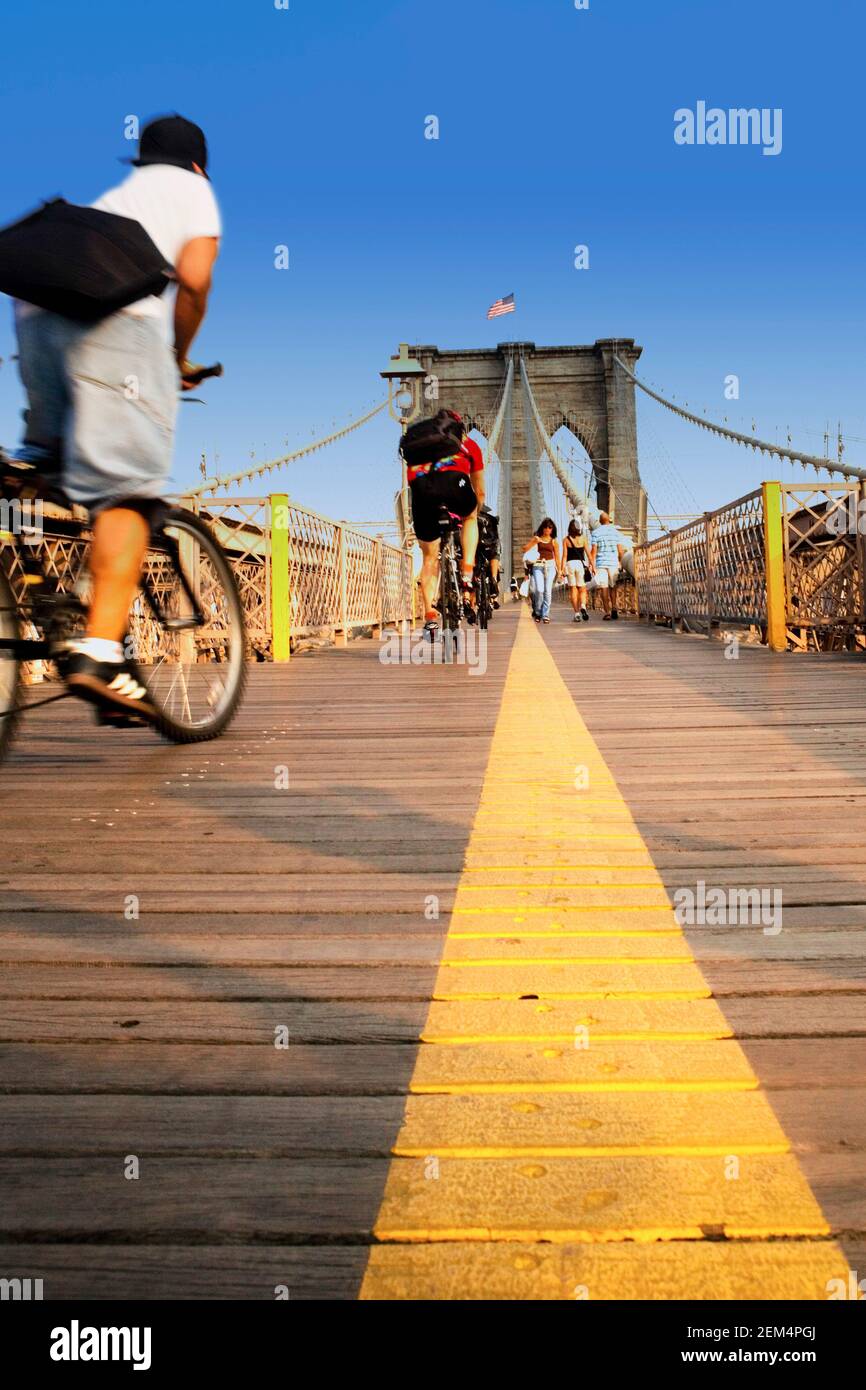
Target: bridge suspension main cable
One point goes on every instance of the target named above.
(778, 451)
(260, 469)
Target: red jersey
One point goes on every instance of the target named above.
(468, 459)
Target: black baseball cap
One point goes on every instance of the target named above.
(172, 140)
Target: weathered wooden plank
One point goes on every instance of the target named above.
(388, 1069)
(231, 1271)
(403, 1022)
(664, 1120)
(191, 1198)
(207, 1199)
(126, 945)
(680, 1270)
(365, 980)
(212, 1126)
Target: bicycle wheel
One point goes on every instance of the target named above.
(482, 590)
(450, 601)
(193, 663)
(10, 666)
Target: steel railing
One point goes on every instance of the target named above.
(299, 574)
(786, 558)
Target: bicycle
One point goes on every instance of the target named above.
(452, 609)
(186, 631)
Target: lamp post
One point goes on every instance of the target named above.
(405, 377)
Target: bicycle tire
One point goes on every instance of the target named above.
(483, 595)
(10, 668)
(220, 598)
(450, 607)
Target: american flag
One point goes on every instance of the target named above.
(502, 306)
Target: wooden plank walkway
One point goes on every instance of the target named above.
(166, 915)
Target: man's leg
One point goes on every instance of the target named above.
(40, 365)
(605, 592)
(429, 574)
(120, 541)
(469, 541)
(123, 389)
(122, 382)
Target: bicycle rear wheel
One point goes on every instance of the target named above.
(484, 605)
(10, 666)
(450, 599)
(187, 631)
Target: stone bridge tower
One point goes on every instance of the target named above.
(580, 387)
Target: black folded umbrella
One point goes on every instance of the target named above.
(80, 262)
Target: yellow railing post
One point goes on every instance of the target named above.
(774, 564)
(342, 634)
(278, 551)
(379, 575)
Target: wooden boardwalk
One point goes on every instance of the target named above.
(509, 1072)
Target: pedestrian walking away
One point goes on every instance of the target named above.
(605, 558)
(576, 569)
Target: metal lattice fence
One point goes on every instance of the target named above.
(715, 569)
(711, 570)
(823, 555)
(338, 579)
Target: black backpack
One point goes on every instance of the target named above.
(80, 262)
(430, 441)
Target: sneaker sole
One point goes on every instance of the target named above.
(96, 692)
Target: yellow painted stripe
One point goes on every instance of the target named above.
(572, 1088)
(561, 935)
(516, 1174)
(567, 960)
(589, 1151)
(599, 1035)
(450, 996)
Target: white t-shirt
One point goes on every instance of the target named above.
(173, 206)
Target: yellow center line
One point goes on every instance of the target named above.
(493, 961)
(490, 1154)
(571, 1088)
(561, 935)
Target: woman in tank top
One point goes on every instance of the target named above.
(544, 569)
(575, 568)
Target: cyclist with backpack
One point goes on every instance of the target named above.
(444, 468)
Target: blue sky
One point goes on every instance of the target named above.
(556, 128)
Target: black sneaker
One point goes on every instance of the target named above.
(115, 688)
(584, 615)
(613, 615)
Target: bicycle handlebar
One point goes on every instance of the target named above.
(196, 374)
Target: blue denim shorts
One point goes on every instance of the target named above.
(102, 403)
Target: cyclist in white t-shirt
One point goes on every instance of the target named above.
(102, 398)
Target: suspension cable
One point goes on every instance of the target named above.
(259, 470)
(749, 441)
